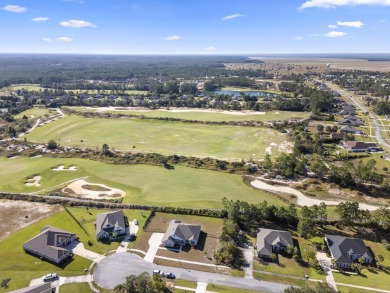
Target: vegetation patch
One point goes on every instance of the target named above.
(95, 187)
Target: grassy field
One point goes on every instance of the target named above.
(27, 87)
(143, 184)
(224, 289)
(21, 267)
(163, 137)
(35, 113)
(200, 115)
(76, 288)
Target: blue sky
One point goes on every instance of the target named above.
(194, 26)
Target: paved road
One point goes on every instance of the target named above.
(378, 134)
(113, 270)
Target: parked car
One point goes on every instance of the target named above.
(158, 272)
(135, 222)
(49, 277)
(130, 237)
(169, 275)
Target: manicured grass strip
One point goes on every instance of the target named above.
(224, 289)
(164, 137)
(185, 283)
(143, 184)
(369, 278)
(278, 279)
(76, 288)
(199, 115)
(36, 112)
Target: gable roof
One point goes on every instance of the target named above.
(359, 145)
(178, 231)
(349, 129)
(48, 242)
(110, 221)
(266, 238)
(340, 246)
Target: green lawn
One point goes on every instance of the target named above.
(22, 267)
(27, 87)
(35, 112)
(278, 279)
(76, 288)
(206, 116)
(143, 184)
(345, 289)
(161, 136)
(224, 289)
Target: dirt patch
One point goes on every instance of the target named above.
(62, 168)
(33, 181)
(15, 215)
(77, 189)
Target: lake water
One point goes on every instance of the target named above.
(238, 93)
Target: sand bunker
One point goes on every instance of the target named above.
(302, 199)
(62, 168)
(84, 189)
(33, 181)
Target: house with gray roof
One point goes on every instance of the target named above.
(110, 225)
(272, 242)
(347, 250)
(50, 244)
(179, 234)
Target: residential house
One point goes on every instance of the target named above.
(337, 136)
(179, 234)
(50, 244)
(360, 146)
(346, 250)
(110, 225)
(349, 129)
(272, 242)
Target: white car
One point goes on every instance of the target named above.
(49, 277)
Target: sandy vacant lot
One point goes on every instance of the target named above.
(15, 215)
(84, 189)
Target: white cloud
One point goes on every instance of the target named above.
(64, 39)
(314, 35)
(74, 23)
(334, 34)
(356, 24)
(172, 38)
(337, 3)
(40, 19)
(211, 48)
(47, 40)
(14, 8)
(332, 26)
(229, 17)
(298, 38)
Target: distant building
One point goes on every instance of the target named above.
(179, 234)
(349, 129)
(50, 244)
(360, 146)
(337, 136)
(41, 288)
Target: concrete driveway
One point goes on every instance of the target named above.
(325, 263)
(114, 269)
(79, 249)
(154, 244)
